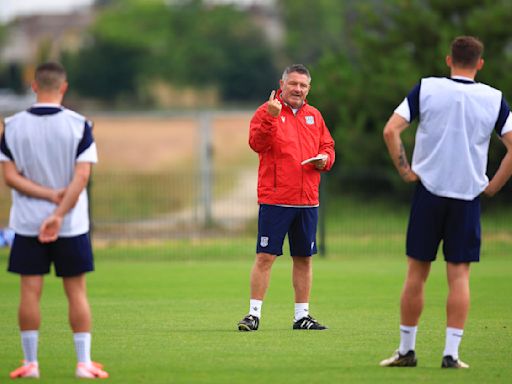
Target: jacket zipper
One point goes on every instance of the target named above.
(301, 154)
(275, 176)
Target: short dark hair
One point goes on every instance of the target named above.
(466, 51)
(299, 68)
(50, 75)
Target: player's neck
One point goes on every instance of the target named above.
(49, 98)
(463, 72)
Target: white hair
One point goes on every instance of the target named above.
(299, 68)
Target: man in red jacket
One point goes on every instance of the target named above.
(294, 146)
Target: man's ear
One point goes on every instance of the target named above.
(449, 61)
(64, 87)
(480, 64)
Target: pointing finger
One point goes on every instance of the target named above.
(272, 94)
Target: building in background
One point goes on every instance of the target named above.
(31, 39)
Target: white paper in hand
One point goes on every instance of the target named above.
(320, 156)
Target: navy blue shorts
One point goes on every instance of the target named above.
(434, 218)
(71, 256)
(274, 222)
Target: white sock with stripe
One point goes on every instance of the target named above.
(301, 310)
(453, 339)
(29, 341)
(407, 339)
(83, 346)
(255, 308)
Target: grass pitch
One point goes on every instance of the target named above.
(159, 321)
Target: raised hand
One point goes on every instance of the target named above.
(274, 105)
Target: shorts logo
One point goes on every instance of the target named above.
(310, 120)
(264, 241)
(312, 244)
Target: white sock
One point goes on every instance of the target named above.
(453, 339)
(255, 307)
(83, 346)
(29, 340)
(301, 310)
(407, 339)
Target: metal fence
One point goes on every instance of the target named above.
(209, 202)
(173, 205)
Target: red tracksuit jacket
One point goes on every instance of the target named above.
(282, 143)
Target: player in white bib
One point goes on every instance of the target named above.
(46, 153)
(457, 117)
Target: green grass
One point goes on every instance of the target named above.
(159, 321)
(167, 312)
(354, 228)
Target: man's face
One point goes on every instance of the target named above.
(295, 89)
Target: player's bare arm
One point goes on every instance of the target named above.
(394, 127)
(49, 230)
(14, 179)
(274, 106)
(505, 169)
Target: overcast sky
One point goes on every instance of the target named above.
(12, 8)
(9, 9)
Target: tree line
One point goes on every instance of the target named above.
(364, 55)
(134, 44)
(389, 46)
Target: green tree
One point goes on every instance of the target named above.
(312, 28)
(2, 34)
(104, 70)
(11, 74)
(392, 45)
(181, 43)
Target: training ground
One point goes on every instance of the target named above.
(165, 310)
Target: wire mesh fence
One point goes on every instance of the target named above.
(169, 211)
(204, 204)
(172, 205)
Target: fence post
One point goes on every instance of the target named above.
(206, 163)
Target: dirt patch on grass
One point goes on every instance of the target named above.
(155, 143)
